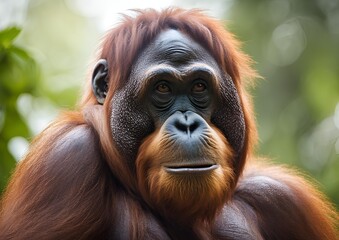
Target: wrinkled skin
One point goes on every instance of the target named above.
(179, 61)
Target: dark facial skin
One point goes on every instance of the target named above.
(175, 74)
(175, 81)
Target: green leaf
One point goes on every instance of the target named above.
(8, 35)
(21, 53)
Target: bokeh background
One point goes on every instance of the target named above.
(46, 47)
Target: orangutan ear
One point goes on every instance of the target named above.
(100, 80)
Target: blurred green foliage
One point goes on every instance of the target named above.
(295, 45)
(32, 89)
(18, 74)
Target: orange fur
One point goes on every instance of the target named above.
(191, 198)
(74, 183)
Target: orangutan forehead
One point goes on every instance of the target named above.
(175, 48)
(174, 52)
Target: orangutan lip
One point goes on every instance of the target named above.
(191, 169)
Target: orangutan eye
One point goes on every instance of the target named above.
(199, 87)
(162, 96)
(163, 88)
